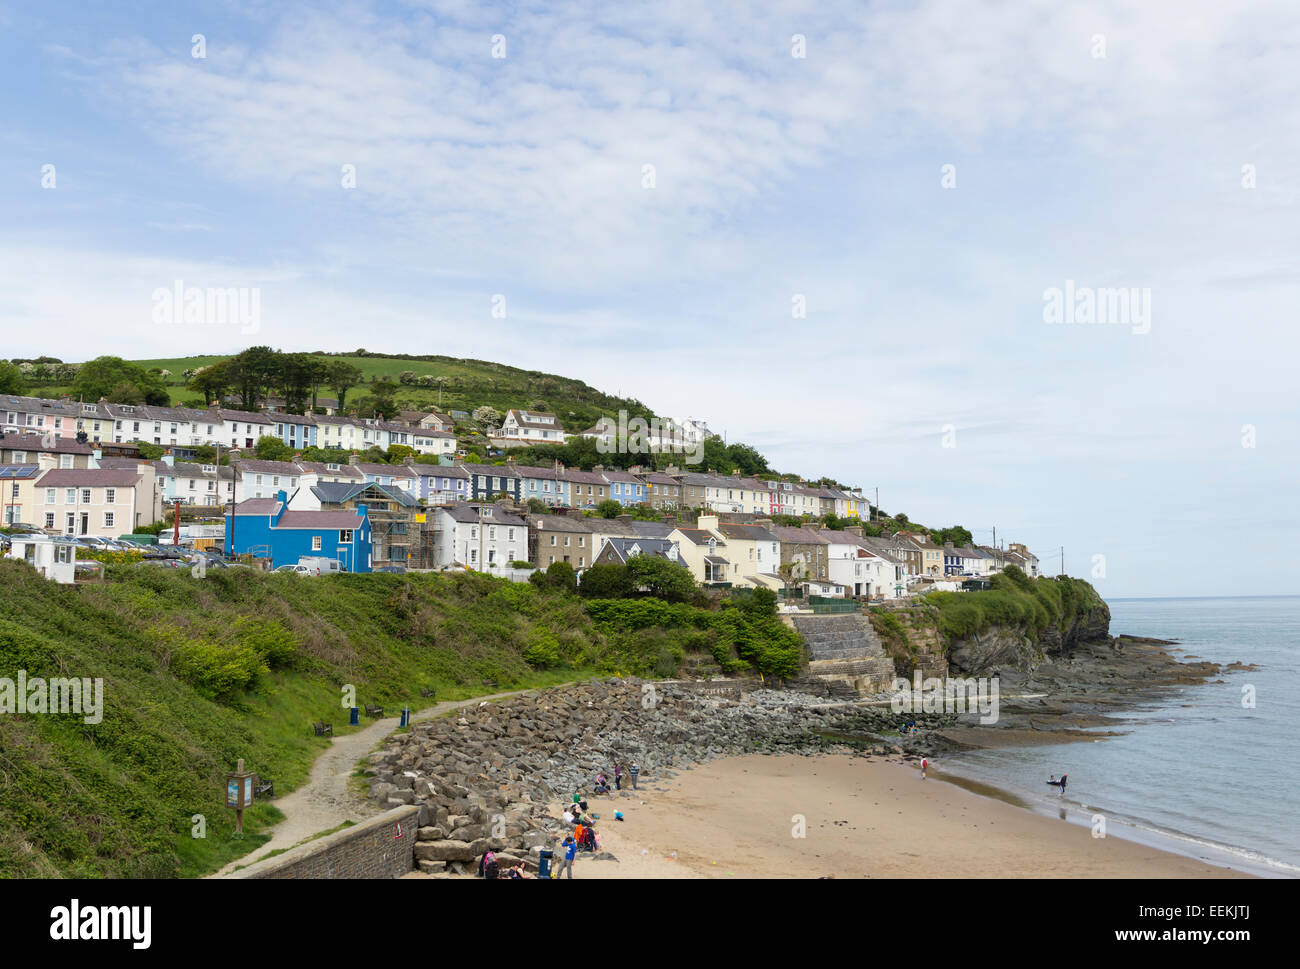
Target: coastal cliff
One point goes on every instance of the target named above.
(1025, 648)
(1016, 625)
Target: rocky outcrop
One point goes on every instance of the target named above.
(1003, 647)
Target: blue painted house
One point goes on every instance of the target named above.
(625, 488)
(544, 484)
(266, 526)
(296, 430)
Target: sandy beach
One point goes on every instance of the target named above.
(865, 818)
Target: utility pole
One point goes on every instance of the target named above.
(1062, 572)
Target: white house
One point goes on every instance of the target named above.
(481, 537)
(523, 427)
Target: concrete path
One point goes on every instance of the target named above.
(325, 802)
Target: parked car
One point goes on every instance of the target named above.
(296, 569)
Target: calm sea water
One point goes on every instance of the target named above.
(1197, 772)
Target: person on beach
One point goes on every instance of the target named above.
(618, 777)
(602, 785)
(570, 850)
(569, 818)
(924, 764)
(1061, 784)
(634, 772)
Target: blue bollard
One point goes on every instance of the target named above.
(406, 717)
(354, 717)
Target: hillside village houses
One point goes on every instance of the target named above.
(734, 541)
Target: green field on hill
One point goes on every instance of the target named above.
(466, 384)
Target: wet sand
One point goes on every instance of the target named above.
(863, 818)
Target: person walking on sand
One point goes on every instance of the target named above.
(618, 777)
(924, 764)
(570, 850)
(634, 772)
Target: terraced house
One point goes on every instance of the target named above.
(561, 538)
(587, 489)
(46, 451)
(662, 490)
(625, 488)
(97, 501)
(547, 485)
(478, 536)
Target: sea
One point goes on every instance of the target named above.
(1211, 771)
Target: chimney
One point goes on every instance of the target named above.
(670, 521)
(765, 522)
(854, 530)
(409, 460)
(354, 459)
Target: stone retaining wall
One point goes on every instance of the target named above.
(370, 849)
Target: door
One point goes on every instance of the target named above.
(85, 523)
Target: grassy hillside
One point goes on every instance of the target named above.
(466, 384)
(200, 673)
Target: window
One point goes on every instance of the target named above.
(65, 460)
(51, 495)
(315, 543)
(49, 519)
(552, 541)
(345, 536)
(85, 496)
(108, 519)
(70, 496)
(110, 496)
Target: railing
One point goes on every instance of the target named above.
(833, 607)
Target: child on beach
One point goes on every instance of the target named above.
(924, 764)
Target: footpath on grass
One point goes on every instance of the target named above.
(324, 801)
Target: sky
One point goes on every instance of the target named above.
(649, 193)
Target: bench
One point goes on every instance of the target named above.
(265, 789)
(323, 729)
(374, 711)
(426, 692)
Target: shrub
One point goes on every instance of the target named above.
(216, 670)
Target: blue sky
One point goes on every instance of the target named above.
(775, 175)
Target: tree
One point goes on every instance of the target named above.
(11, 379)
(205, 454)
(150, 452)
(343, 376)
(538, 507)
(661, 578)
(606, 582)
(120, 381)
(609, 508)
(560, 575)
(488, 418)
(384, 392)
(397, 453)
(271, 448)
(212, 382)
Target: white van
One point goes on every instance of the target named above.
(319, 565)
